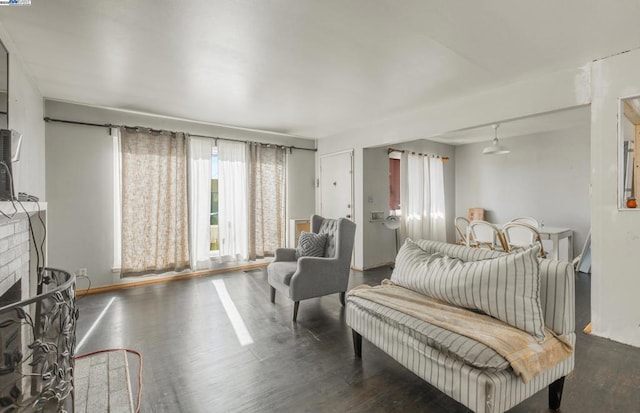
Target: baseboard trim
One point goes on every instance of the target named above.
(168, 278)
(371, 267)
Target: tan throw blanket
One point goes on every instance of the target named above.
(525, 354)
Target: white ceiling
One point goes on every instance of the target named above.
(309, 68)
(548, 122)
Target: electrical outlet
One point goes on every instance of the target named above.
(82, 272)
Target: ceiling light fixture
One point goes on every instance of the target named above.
(495, 148)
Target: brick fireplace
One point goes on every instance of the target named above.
(14, 259)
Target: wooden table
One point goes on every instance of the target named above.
(555, 235)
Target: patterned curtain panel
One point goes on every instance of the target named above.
(154, 202)
(267, 182)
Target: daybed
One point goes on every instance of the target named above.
(418, 318)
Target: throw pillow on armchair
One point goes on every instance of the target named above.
(311, 245)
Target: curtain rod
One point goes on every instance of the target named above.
(110, 125)
(444, 158)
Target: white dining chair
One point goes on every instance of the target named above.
(462, 229)
(483, 234)
(518, 235)
(527, 220)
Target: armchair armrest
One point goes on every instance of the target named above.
(285, 254)
(317, 276)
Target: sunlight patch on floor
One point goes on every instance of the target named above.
(94, 325)
(232, 313)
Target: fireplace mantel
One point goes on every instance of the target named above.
(7, 207)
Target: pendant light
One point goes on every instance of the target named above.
(495, 148)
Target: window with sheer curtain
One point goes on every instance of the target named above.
(154, 229)
(232, 201)
(422, 197)
(162, 226)
(200, 201)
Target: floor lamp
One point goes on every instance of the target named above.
(393, 222)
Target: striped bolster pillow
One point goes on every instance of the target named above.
(507, 287)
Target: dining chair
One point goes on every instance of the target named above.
(462, 229)
(483, 234)
(519, 235)
(527, 220)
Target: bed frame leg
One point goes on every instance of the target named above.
(357, 343)
(555, 393)
(296, 305)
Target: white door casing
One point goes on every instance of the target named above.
(336, 185)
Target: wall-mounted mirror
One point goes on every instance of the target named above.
(629, 153)
(4, 87)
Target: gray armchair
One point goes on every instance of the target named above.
(309, 277)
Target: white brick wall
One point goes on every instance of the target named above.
(14, 251)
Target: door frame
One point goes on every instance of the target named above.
(352, 194)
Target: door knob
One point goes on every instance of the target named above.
(348, 215)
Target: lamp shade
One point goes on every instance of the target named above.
(495, 148)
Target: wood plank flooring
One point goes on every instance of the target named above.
(193, 361)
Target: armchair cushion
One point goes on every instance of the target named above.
(282, 271)
(311, 245)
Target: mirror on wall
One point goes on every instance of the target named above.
(4, 87)
(629, 153)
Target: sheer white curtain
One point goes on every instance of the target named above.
(232, 200)
(422, 197)
(436, 184)
(200, 201)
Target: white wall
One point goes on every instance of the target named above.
(300, 184)
(80, 182)
(559, 90)
(545, 176)
(25, 116)
(615, 237)
(379, 241)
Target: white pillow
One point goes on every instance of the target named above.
(507, 287)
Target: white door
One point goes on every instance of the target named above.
(336, 185)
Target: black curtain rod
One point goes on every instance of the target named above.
(110, 125)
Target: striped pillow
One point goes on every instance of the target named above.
(507, 287)
(311, 245)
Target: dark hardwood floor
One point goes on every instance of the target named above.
(193, 361)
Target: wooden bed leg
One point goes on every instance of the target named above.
(357, 343)
(273, 294)
(555, 393)
(342, 298)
